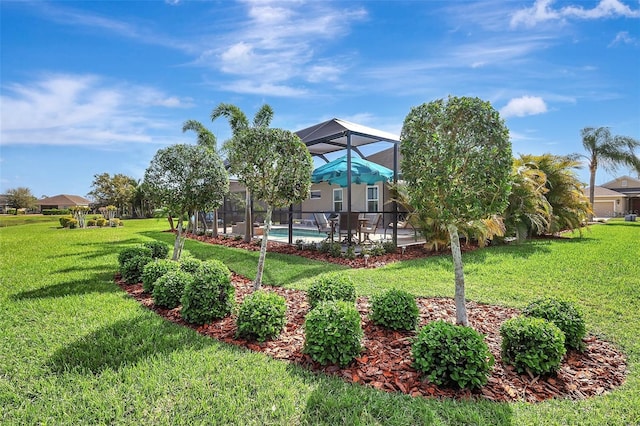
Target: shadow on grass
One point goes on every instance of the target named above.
(99, 283)
(335, 402)
(123, 343)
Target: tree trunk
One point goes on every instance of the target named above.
(592, 189)
(461, 309)
(263, 248)
(214, 227)
(170, 219)
(248, 222)
(179, 243)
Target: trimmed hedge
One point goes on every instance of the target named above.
(210, 295)
(262, 315)
(331, 287)
(565, 315)
(168, 289)
(395, 309)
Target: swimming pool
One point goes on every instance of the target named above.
(297, 232)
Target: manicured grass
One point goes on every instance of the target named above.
(25, 219)
(74, 349)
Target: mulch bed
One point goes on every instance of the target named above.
(385, 362)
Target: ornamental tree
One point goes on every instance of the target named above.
(20, 198)
(276, 167)
(186, 178)
(457, 164)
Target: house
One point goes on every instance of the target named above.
(617, 197)
(62, 202)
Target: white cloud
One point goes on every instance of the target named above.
(542, 11)
(523, 106)
(622, 37)
(65, 109)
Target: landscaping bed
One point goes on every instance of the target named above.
(385, 362)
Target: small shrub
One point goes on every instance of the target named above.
(115, 222)
(131, 252)
(532, 344)
(210, 295)
(168, 289)
(159, 250)
(331, 287)
(64, 221)
(395, 309)
(389, 247)
(563, 314)
(261, 315)
(154, 270)
(91, 222)
(72, 223)
(335, 249)
(190, 264)
(450, 354)
(101, 221)
(333, 333)
(132, 269)
(350, 253)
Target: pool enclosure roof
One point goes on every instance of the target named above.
(337, 135)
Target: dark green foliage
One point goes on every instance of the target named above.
(532, 344)
(389, 247)
(54, 212)
(190, 264)
(451, 354)
(91, 222)
(210, 295)
(333, 333)
(133, 267)
(159, 250)
(563, 314)
(131, 252)
(64, 221)
(154, 270)
(261, 315)
(72, 223)
(168, 289)
(331, 287)
(395, 309)
(101, 221)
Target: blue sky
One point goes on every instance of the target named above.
(99, 86)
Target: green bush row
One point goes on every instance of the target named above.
(54, 212)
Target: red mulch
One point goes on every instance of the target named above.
(411, 252)
(385, 363)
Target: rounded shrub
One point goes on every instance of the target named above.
(72, 223)
(563, 314)
(133, 268)
(450, 354)
(64, 221)
(395, 309)
(331, 287)
(159, 250)
(101, 221)
(131, 252)
(333, 333)
(168, 289)
(154, 270)
(261, 315)
(532, 344)
(91, 222)
(190, 264)
(210, 295)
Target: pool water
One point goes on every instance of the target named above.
(283, 232)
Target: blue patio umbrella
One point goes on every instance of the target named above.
(362, 171)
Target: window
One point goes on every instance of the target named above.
(315, 194)
(372, 198)
(337, 200)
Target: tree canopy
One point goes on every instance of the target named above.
(118, 190)
(457, 165)
(20, 198)
(186, 178)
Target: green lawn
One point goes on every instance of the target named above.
(75, 349)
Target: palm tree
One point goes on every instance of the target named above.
(208, 140)
(608, 151)
(238, 122)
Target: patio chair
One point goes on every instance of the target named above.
(324, 225)
(349, 224)
(374, 222)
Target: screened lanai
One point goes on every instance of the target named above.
(332, 138)
(335, 136)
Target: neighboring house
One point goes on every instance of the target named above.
(62, 201)
(4, 203)
(617, 197)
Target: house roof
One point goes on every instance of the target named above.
(604, 192)
(385, 158)
(631, 185)
(64, 200)
(333, 135)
